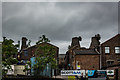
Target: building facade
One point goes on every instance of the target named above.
(86, 60)
(110, 51)
(110, 55)
(78, 57)
(61, 61)
(27, 52)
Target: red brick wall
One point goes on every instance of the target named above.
(32, 50)
(115, 41)
(112, 43)
(88, 61)
(119, 73)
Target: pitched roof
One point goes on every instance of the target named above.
(118, 35)
(40, 44)
(86, 52)
(36, 45)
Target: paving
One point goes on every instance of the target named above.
(61, 77)
(66, 78)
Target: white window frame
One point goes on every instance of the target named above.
(117, 49)
(107, 49)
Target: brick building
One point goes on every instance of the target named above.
(78, 57)
(110, 54)
(61, 60)
(27, 52)
(110, 51)
(87, 59)
(61, 64)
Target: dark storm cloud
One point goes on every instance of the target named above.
(60, 21)
(119, 18)
(0, 21)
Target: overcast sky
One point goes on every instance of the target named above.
(60, 21)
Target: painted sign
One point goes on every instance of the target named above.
(73, 72)
(97, 73)
(91, 72)
(101, 73)
(110, 72)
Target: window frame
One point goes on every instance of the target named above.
(107, 49)
(26, 53)
(110, 63)
(117, 49)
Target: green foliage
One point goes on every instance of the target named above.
(43, 39)
(45, 55)
(9, 49)
(27, 66)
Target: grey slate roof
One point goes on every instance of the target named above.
(87, 51)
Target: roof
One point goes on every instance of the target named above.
(61, 55)
(86, 52)
(40, 44)
(118, 35)
(49, 44)
(74, 47)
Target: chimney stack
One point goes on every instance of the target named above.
(23, 46)
(75, 41)
(95, 41)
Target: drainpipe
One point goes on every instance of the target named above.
(100, 57)
(1, 60)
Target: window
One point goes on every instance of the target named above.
(110, 62)
(107, 49)
(118, 60)
(25, 53)
(117, 49)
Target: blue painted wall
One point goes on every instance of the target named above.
(46, 71)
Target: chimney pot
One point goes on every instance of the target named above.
(95, 41)
(23, 46)
(75, 41)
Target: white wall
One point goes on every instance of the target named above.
(11, 72)
(18, 69)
